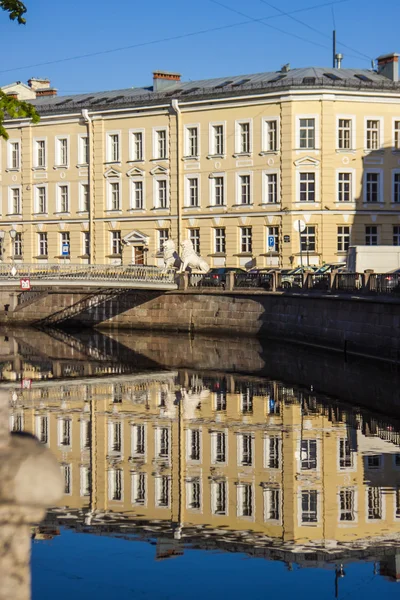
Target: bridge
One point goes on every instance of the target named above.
(87, 276)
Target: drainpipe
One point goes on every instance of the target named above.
(177, 111)
(88, 121)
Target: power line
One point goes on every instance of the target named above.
(168, 39)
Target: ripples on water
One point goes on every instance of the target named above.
(183, 457)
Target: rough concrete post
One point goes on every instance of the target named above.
(183, 281)
(273, 281)
(230, 281)
(30, 481)
(332, 281)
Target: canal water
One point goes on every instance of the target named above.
(208, 468)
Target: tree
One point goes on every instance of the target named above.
(9, 106)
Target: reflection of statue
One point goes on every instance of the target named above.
(191, 259)
(171, 258)
(191, 401)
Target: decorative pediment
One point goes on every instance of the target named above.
(159, 170)
(112, 173)
(307, 161)
(135, 172)
(136, 238)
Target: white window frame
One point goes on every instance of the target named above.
(189, 487)
(47, 243)
(352, 454)
(110, 182)
(57, 151)
(60, 433)
(109, 153)
(81, 158)
(134, 440)
(395, 172)
(266, 452)
(238, 188)
(10, 166)
(317, 457)
(265, 149)
(394, 119)
(36, 198)
(134, 487)
(111, 484)
(381, 134)
(349, 488)
(383, 504)
(85, 426)
(111, 426)
(381, 198)
(240, 449)
(215, 251)
(212, 146)
(155, 192)
(112, 237)
(35, 155)
(238, 150)
(84, 473)
(317, 186)
(187, 190)
(214, 485)
(186, 143)
(352, 172)
(239, 492)
(378, 234)
(132, 133)
(191, 238)
(157, 443)
(11, 200)
(155, 143)
(300, 510)
(266, 503)
(132, 183)
(63, 240)
(85, 236)
(58, 197)
(38, 428)
(82, 195)
(264, 190)
(316, 133)
(67, 467)
(214, 447)
(189, 445)
(157, 484)
(352, 119)
(212, 185)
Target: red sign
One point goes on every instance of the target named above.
(26, 384)
(25, 284)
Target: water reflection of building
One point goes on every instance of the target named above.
(250, 460)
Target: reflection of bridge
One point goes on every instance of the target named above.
(129, 276)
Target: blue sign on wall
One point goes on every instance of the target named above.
(65, 249)
(271, 242)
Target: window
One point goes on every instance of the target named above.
(396, 137)
(84, 193)
(114, 199)
(373, 134)
(113, 150)
(244, 189)
(273, 452)
(396, 187)
(217, 140)
(372, 187)
(86, 243)
(245, 239)
(66, 471)
(397, 503)
(65, 432)
(137, 145)
(243, 139)
(86, 435)
(83, 150)
(64, 240)
(163, 235)
(219, 498)
(219, 234)
(85, 481)
(345, 454)
(192, 141)
(308, 239)
(115, 437)
(246, 402)
(246, 449)
(63, 200)
(307, 134)
(192, 191)
(272, 504)
(374, 461)
(218, 185)
(219, 447)
(116, 243)
(43, 246)
(194, 444)
(17, 423)
(346, 505)
(344, 134)
(139, 489)
(14, 155)
(15, 201)
(160, 144)
(193, 490)
(274, 232)
(137, 194)
(41, 199)
(374, 499)
(138, 440)
(115, 484)
(161, 190)
(42, 429)
(40, 154)
(309, 507)
(194, 237)
(162, 491)
(220, 401)
(307, 187)
(396, 235)
(371, 235)
(271, 188)
(343, 238)
(245, 500)
(62, 152)
(271, 136)
(344, 187)
(308, 455)
(163, 442)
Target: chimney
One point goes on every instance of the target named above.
(46, 92)
(37, 84)
(162, 80)
(388, 66)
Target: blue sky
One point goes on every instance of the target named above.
(59, 30)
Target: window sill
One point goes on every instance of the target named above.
(56, 167)
(85, 256)
(136, 210)
(82, 212)
(42, 257)
(13, 169)
(61, 213)
(188, 158)
(250, 205)
(158, 159)
(217, 255)
(39, 168)
(306, 203)
(155, 208)
(345, 151)
(268, 254)
(113, 162)
(217, 206)
(40, 214)
(246, 254)
(68, 257)
(211, 156)
(185, 208)
(242, 155)
(395, 203)
(275, 204)
(374, 151)
(114, 256)
(135, 161)
(339, 204)
(373, 203)
(19, 215)
(268, 152)
(113, 212)
(82, 166)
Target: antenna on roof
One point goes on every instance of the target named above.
(334, 49)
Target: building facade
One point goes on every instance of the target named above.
(227, 163)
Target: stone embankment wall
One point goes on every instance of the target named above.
(368, 325)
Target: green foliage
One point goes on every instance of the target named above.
(15, 109)
(16, 10)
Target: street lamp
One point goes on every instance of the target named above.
(13, 235)
(2, 234)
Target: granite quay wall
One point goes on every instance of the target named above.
(364, 325)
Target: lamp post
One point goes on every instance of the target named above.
(2, 234)
(13, 235)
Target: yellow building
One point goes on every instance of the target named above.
(224, 162)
